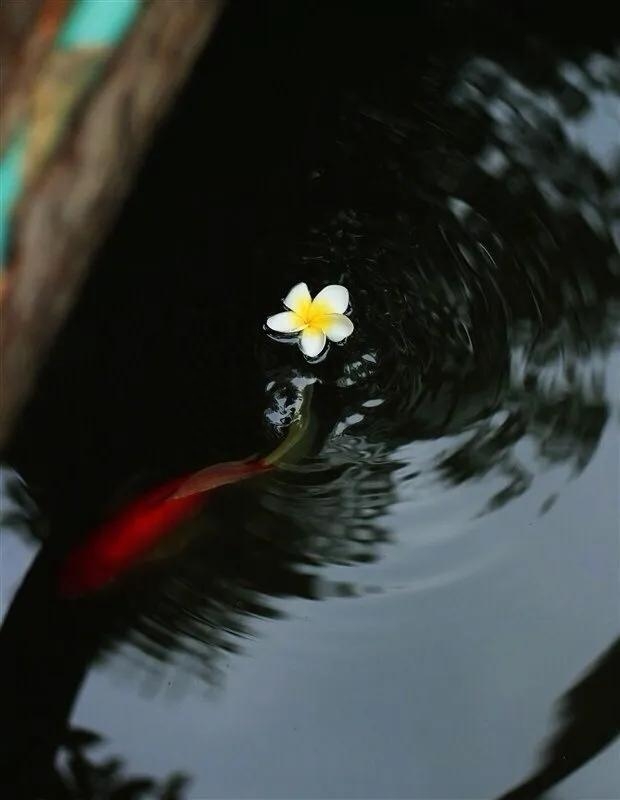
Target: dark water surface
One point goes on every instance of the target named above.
(398, 613)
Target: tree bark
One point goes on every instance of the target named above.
(65, 212)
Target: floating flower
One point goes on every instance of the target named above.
(314, 321)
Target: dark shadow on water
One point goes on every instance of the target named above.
(589, 721)
(444, 171)
(83, 776)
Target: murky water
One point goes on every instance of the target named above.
(456, 506)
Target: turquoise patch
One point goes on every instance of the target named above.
(11, 165)
(97, 22)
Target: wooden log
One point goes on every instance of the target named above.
(67, 208)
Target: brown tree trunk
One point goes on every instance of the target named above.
(65, 212)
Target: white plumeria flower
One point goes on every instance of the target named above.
(315, 321)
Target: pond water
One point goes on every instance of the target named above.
(398, 611)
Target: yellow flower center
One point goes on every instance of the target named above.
(313, 313)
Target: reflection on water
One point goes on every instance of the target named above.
(589, 721)
(467, 195)
(79, 776)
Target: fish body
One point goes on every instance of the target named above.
(130, 535)
(139, 528)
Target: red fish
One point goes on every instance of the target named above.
(121, 541)
(139, 527)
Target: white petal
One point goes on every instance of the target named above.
(332, 299)
(286, 322)
(336, 327)
(298, 299)
(312, 342)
